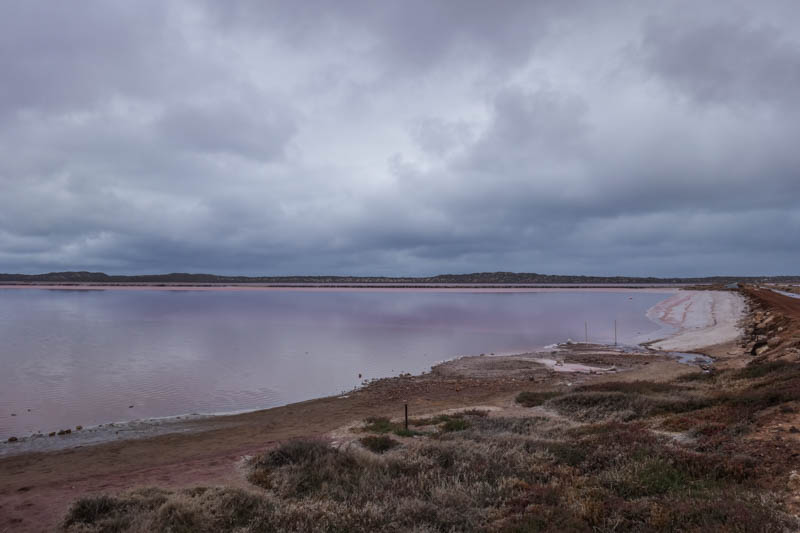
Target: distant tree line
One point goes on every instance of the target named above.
(489, 278)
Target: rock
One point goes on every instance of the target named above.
(51, 434)
(761, 349)
(78, 428)
(794, 480)
(794, 429)
(12, 439)
(773, 342)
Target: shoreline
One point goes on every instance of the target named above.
(46, 483)
(211, 450)
(144, 428)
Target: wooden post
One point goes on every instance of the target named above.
(405, 404)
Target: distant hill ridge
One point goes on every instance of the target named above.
(475, 278)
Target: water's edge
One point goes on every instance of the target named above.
(192, 422)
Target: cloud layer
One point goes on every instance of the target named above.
(400, 138)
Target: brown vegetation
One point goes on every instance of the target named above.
(499, 474)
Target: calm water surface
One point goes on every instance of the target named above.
(86, 356)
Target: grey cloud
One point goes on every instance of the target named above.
(59, 56)
(398, 138)
(726, 61)
(405, 37)
(438, 137)
(244, 128)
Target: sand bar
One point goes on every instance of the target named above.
(703, 318)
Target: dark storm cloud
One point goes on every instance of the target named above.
(399, 138)
(725, 61)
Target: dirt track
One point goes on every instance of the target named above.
(783, 304)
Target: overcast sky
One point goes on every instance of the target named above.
(400, 138)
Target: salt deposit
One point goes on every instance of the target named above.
(703, 318)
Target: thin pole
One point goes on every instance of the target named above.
(615, 332)
(586, 331)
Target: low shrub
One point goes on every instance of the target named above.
(403, 432)
(598, 477)
(698, 377)
(433, 420)
(297, 452)
(759, 369)
(572, 454)
(92, 510)
(596, 406)
(455, 424)
(197, 510)
(491, 426)
(378, 443)
(380, 424)
(651, 476)
(631, 387)
(481, 413)
(303, 468)
(534, 398)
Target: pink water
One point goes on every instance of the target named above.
(87, 357)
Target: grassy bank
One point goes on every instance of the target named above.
(629, 457)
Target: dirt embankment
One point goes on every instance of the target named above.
(772, 330)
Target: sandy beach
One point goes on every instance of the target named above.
(702, 318)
